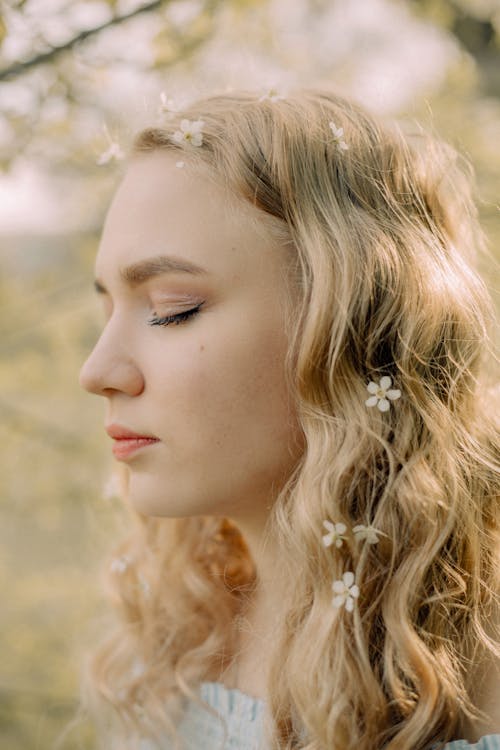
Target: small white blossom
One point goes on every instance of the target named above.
(190, 132)
(345, 591)
(368, 533)
(168, 107)
(180, 164)
(271, 94)
(120, 564)
(382, 392)
(114, 150)
(336, 533)
(338, 135)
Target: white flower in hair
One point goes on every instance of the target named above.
(120, 564)
(190, 132)
(272, 94)
(338, 135)
(114, 150)
(168, 107)
(335, 535)
(345, 591)
(367, 533)
(382, 393)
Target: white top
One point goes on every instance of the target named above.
(244, 716)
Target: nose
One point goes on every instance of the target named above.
(110, 368)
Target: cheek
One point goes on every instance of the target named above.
(233, 392)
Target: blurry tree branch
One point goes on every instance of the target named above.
(18, 68)
(475, 30)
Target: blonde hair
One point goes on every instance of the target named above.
(385, 240)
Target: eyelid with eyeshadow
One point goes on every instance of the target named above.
(177, 318)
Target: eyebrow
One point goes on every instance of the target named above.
(140, 272)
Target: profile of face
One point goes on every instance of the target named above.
(206, 391)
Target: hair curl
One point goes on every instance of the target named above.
(385, 241)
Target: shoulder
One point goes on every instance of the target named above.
(488, 742)
(485, 687)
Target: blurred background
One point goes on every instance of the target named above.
(76, 78)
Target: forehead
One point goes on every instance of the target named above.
(160, 209)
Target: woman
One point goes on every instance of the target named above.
(297, 369)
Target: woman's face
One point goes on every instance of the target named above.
(210, 389)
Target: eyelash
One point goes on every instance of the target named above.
(177, 319)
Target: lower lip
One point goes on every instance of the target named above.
(125, 447)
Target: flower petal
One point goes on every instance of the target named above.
(328, 540)
(372, 387)
(385, 382)
(338, 587)
(348, 578)
(328, 525)
(371, 401)
(338, 542)
(340, 528)
(104, 157)
(349, 604)
(383, 404)
(393, 394)
(354, 591)
(338, 601)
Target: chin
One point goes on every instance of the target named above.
(149, 496)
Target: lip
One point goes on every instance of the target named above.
(127, 442)
(118, 432)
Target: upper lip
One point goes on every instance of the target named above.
(118, 432)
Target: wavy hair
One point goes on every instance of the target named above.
(385, 244)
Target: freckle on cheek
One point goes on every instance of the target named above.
(201, 347)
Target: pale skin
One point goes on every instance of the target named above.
(212, 388)
(485, 680)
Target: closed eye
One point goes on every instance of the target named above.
(178, 318)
